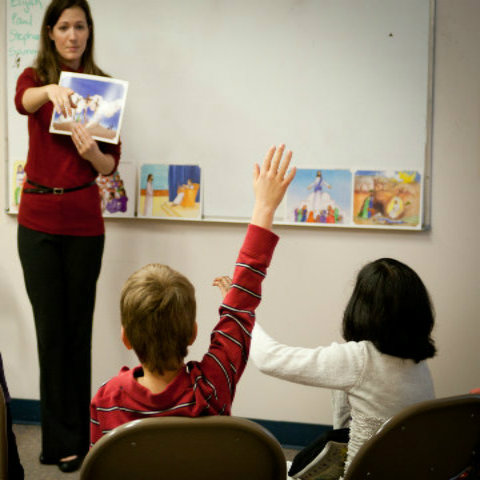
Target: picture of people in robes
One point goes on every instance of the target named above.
(117, 191)
(170, 191)
(98, 103)
(320, 196)
(387, 198)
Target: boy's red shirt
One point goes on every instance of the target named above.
(206, 387)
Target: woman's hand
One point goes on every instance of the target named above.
(86, 146)
(89, 150)
(60, 97)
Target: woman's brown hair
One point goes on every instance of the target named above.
(47, 64)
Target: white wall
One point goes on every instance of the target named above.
(313, 270)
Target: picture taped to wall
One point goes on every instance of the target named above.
(387, 198)
(98, 103)
(320, 196)
(170, 191)
(17, 179)
(118, 191)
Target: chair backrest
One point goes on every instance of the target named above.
(179, 448)
(3, 437)
(430, 440)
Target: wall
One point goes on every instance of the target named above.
(313, 270)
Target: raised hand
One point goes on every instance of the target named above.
(270, 182)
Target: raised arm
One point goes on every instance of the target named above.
(227, 356)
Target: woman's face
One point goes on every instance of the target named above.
(70, 35)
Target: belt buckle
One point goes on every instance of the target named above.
(58, 191)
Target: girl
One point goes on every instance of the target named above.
(61, 230)
(381, 367)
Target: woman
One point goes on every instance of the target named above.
(61, 230)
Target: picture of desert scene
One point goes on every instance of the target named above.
(97, 103)
(170, 191)
(387, 198)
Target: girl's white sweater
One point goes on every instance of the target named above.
(368, 386)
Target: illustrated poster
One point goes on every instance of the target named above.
(320, 196)
(387, 198)
(170, 191)
(99, 105)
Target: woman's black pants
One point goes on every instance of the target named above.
(61, 273)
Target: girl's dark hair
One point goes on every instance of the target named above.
(47, 64)
(390, 306)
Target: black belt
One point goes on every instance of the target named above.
(55, 190)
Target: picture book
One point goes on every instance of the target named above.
(99, 104)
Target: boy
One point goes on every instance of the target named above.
(158, 322)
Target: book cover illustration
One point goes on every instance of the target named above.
(117, 191)
(170, 191)
(99, 105)
(320, 196)
(387, 198)
(17, 179)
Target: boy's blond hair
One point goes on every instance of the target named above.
(158, 311)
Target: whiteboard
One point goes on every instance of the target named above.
(344, 83)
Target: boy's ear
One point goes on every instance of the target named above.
(194, 334)
(125, 340)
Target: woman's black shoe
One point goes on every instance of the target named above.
(70, 465)
(46, 461)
